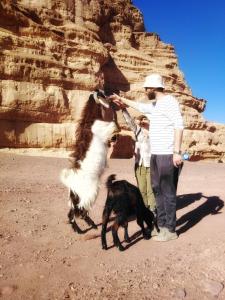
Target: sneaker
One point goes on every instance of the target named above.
(154, 231)
(165, 235)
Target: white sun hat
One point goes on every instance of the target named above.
(154, 81)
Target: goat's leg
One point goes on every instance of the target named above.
(150, 219)
(119, 221)
(105, 218)
(155, 224)
(140, 222)
(126, 235)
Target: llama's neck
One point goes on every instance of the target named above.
(94, 162)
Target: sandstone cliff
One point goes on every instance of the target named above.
(50, 51)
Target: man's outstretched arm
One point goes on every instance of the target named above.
(145, 108)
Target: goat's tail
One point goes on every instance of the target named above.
(110, 180)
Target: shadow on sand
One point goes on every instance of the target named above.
(212, 205)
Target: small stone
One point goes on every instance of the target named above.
(180, 293)
(213, 287)
(72, 286)
(7, 290)
(155, 286)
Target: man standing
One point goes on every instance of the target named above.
(165, 139)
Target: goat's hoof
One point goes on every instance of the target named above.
(128, 240)
(94, 226)
(104, 247)
(148, 231)
(146, 236)
(121, 248)
(78, 231)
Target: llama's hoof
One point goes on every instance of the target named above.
(76, 229)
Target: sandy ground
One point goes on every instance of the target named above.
(42, 258)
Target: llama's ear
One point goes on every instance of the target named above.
(100, 99)
(95, 96)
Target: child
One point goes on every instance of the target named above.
(140, 127)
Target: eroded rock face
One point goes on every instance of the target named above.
(50, 53)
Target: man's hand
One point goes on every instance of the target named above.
(114, 97)
(177, 160)
(117, 100)
(123, 106)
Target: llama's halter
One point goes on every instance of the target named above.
(100, 98)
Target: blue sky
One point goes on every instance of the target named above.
(196, 29)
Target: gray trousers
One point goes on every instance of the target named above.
(162, 178)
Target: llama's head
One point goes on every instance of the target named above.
(103, 130)
(91, 113)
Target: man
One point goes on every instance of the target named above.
(165, 139)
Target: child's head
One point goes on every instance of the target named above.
(142, 121)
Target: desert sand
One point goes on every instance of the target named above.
(42, 258)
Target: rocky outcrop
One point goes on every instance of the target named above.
(50, 53)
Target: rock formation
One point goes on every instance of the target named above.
(50, 51)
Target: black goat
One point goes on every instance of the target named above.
(125, 200)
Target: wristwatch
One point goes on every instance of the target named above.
(177, 152)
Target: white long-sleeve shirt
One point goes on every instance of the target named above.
(164, 117)
(142, 145)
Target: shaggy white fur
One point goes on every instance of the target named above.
(84, 182)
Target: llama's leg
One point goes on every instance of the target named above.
(119, 221)
(70, 214)
(105, 219)
(126, 235)
(74, 212)
(76, 228)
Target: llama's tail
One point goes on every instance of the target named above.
(110, 180)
